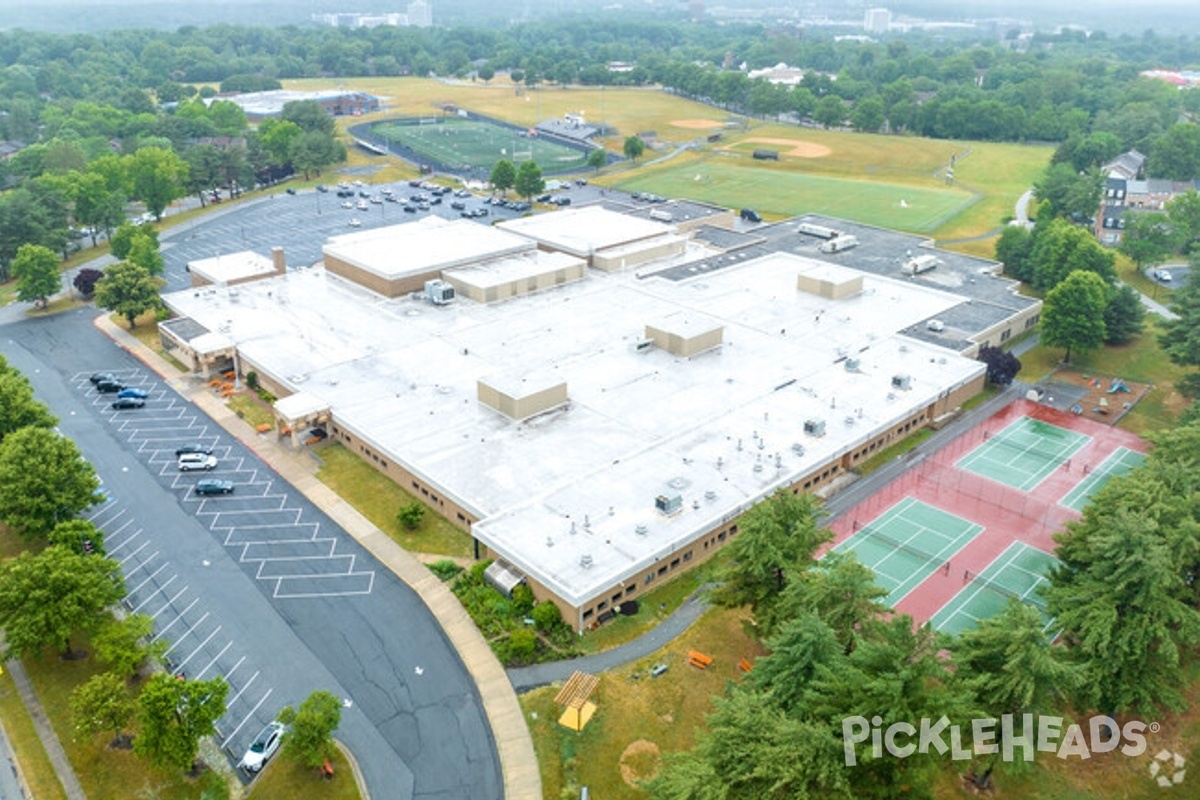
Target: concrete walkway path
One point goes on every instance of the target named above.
(54, 749)
(514, 745)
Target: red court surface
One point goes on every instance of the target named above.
(1006, 514)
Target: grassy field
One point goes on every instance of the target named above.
(379, 499)
(638, 717)
(740, 182)
(287, 779)
(475, 144)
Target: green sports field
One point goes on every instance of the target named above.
(456, 142)
(738, 184)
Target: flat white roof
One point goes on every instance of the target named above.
(232, 266)
(721, 429)
(506, 270)
(585, 230)
(429, 244)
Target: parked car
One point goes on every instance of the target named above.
(1163, 275)
(194, 461)
(355, 222)
(132, 391)
(750, 215)
(193, 447)
(347, 204)
(458, 205)
(122, 403)
(97, 377)
(263, 747)
(322, 188)
(109, 387)
(214, 486)
(290, 190)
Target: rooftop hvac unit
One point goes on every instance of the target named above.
(668, 504)
(439, 292)
(585, 561)
(814, 427)
(902, 381)
(852, 365)
(642, 345)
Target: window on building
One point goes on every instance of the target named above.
(687, 556)
(674, 563)
(587, 614)
(603, 604)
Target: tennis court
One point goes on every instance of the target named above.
(908, 543)
(470, 143)
(1024, 453)
(1020, 572)
(1119, 462)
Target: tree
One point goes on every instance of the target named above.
(278, 138)
(124, 645)
(157, 176)
(1060, 248)
(18, 407)
(867, 115)
(1002, 366)
(633, 148)
(1148, 238)
(597, 159)
(36, 271)
(144, 252)
(85, 281)
(121, 242)
(1011, 667)
(129, 290)
(313, 151)
(309, 739)
(411, 514)
(174, 715)
(1183, 210)
(1176, 153)
(842, 592)
(800, 647)
(1180, 338)
(1123, 316)
(546, 616)
(48, 596)
(310, 116)
(775, 538)
(504, 175)
(1072, 194)
(1073, 313)
(830, 111)
(1013, 250)
(529, 180)
(78, 536)
(43, 481)
(101, 704)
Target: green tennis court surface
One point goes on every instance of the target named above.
(907, 543)
(1119, 462)
(1020, 571)
(1024, 453)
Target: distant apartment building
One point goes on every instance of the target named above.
(877, 20)
(419, 15)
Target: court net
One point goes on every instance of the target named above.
(1032, 597)
(904, 547)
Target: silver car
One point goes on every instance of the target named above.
(263, 747)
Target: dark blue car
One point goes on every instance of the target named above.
(131, 391)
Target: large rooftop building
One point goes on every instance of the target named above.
(597, 429)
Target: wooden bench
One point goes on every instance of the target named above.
(698, 659)
(326, 770)
(266, 426)
(744, 665)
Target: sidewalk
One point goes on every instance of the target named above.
(54, 750)
(514, 745)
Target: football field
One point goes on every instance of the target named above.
(459, 143)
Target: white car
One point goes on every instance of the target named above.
(1163, 275)
(191, 461)
(361, 205)
(355, 222)
(347, 204)
(263, 747)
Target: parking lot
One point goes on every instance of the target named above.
(259, 587)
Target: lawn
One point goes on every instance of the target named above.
(284, 778)
(378, 498)
(638, 716)
(35, 764)
(477, 144)
(741, 182)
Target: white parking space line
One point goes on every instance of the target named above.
(213, 660)
(233, 669)
(156, 591)
(197, 648)
(247, 717)
(139, 549)
(186, 633)
(149, 578)
(234, 699)
(178, 617)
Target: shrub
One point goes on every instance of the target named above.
(546, 616)
(252, 380)
(445, 569)
(85, 281)
(522, 600)
(411, 514)
(521, 646)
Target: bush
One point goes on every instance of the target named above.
(410, 515)
(85, 281)
(522, 600)
(445, 569)
(252, 380)
(546, 616)
(521, 646)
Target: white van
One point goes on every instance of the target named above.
(191, 461)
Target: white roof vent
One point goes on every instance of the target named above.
(585, 561)
(852, 364)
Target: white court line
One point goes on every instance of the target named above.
(178, 617)
(156, 591)
(186, 633)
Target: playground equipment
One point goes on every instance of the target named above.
(1118, 385)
